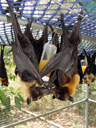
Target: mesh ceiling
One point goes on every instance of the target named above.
(48, 11)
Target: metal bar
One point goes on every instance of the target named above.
(35, 25)
(42, 118)
(90, 100)
(56, 1)
(86, 109)
(44, 114)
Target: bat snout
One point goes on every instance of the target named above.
(39, 92)
(89, 78)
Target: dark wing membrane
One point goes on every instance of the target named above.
(62, 61)
(21, 39)
(75, 37)
(37, 44)
(24, 65)
(65, 35)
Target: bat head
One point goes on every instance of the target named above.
(4, 81)
(37, 93)
(61, 93)
(90, 73)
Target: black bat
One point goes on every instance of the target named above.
(25, 57)
(3, 73)
(90, 71)
(64, 63)
(22, 48)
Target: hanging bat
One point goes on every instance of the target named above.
(90, 70)
(64, 63)
(3, 73)
(25, 57)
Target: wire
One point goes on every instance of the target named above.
(56, 1)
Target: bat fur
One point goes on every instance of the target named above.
(90, 71)
(3, 72)
(64, 71)
(25, 56)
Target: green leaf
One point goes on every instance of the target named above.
(14, 77)
(21, 98)
(8, 103)
(17, 103)
(3, 97)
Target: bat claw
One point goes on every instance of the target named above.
(71, 99)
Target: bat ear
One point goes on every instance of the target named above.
(71, 99)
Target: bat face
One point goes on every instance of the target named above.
(89, 74)
(89, 78)
(62, 94)
(37, 93)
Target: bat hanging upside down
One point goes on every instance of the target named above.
(90, 71)
(64, 66)
(64, 73)
(27, 58)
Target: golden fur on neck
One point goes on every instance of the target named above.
(89, 78)
(73, 83)
(26, 86)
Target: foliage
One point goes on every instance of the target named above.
(11, 93)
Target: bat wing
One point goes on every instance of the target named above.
(62, 60)
(24, 65)
(15, 23)
(22, 40)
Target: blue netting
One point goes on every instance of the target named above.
(48, 11)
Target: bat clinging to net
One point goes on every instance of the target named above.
(63, 65)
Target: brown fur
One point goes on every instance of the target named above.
(89, 78)
(26, 86)
(66, 91)
(3, 81)
(73, 83)
(38, 92)
(33, 92)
